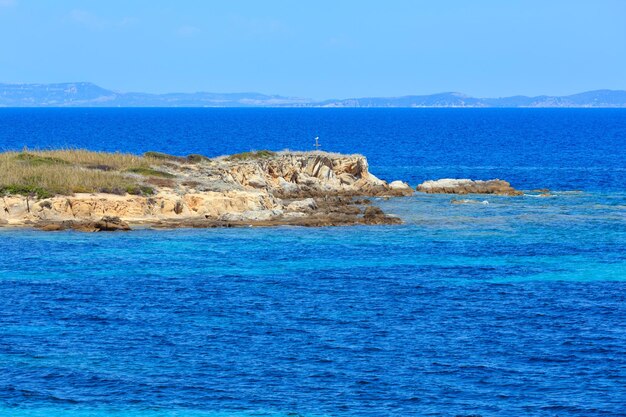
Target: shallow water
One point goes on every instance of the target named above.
(497, 307)
(506, 308)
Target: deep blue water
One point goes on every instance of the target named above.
(513, 306)
(565, 149)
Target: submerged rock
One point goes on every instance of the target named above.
(106, 224)
(467, 186)
(374, 215)
(467, 201)
(111, 224)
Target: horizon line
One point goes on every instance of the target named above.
(386, 96)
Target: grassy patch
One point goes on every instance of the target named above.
(190, 183)
(129, 189)
(27, 190)
(43, 174)
(115, 160)
(195, 158)
(163, 156)
(100, 167)
(150, 172)
(48, 180)
(33, 159)
(161, 182)
(264, 154)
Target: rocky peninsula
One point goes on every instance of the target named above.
(95, 191)
(98, 191)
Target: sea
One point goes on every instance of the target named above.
(501, 306)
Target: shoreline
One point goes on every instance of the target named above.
(97, 191)
(109, 192)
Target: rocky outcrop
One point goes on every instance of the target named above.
(305, 205)
(290, 188)
(374, 215)
(467, 186)
(310, 174)
(401, 187)
(329, 211)
(105, 224)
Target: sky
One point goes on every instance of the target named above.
(319, 48)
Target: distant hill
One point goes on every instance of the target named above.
(598, 98)
(90, 95)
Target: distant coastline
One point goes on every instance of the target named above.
(85, 94)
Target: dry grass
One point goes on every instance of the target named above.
(68, 171)
(117, 161)
(263, 154)
(47, 173)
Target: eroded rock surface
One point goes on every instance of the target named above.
(105, 224)
(288, 188)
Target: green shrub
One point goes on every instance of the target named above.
(140, 190)
(44, 174)
(150, 172)
(163, 156)
(195, 158)
(39, 160)
(264, 154)
(28, 190)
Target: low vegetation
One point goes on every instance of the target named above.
(264, 154)
(115, 160)
(150, 172)
(163, 156)
(43, 174)
(195, 158)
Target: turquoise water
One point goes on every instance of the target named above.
(502, 306)
(465, 309)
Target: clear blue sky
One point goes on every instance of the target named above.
(318, 48)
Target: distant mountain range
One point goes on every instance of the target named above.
(91, 95)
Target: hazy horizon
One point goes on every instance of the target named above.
(273, 93)
(277, 93)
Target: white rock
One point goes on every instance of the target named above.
(346, 178)
(306, 179)
(254, 215)
(256, 181)
(302, 205)
(399, 185)
(287, 186)
(325, 173)
(375, 180)
(446, 183)
(295, 214)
